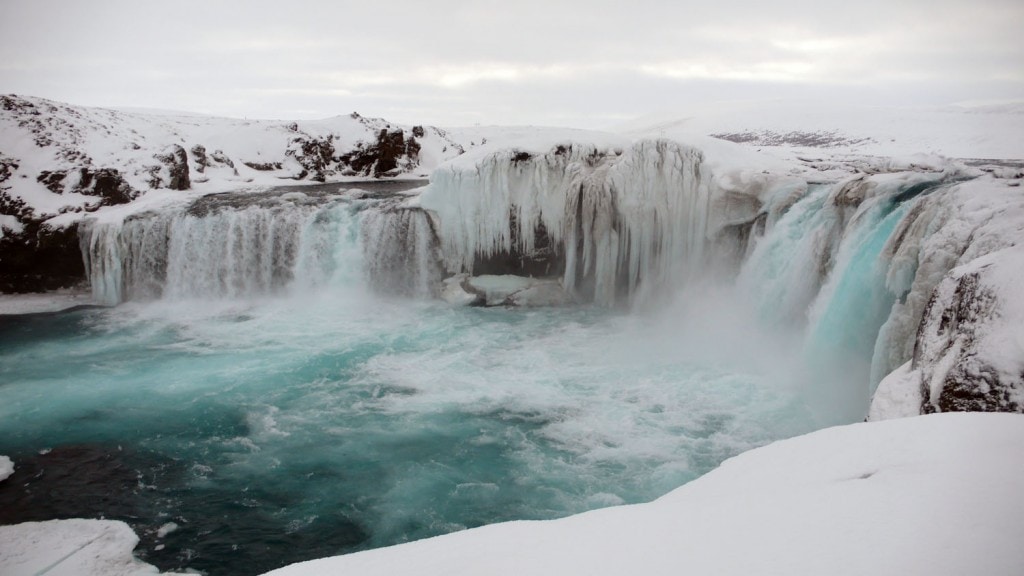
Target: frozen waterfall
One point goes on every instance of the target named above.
(618, 221)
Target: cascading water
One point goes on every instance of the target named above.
(401, 251)
(274, 408)
(255, 250)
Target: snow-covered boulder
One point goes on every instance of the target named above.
(510, 290)
(455, 292)
(172, 173)
(70, 548)
(6, 468)
(970, 347)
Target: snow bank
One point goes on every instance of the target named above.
(70, 548)
(47, 302)
(932, 495)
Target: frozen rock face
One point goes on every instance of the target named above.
(951, 261)
(970, 346)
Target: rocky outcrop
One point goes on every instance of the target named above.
(391, 154)
(315, 155)
(969, 344)
(173, 171)
(200, 158)
(105, 183)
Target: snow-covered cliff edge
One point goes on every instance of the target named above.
(59, 162)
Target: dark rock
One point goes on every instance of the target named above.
(40, 258)
(199, 153)
(546, 259)
(264, 166)
(105, 183)
(108, 184)
(175, 161)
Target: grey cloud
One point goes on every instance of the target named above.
(500, 61)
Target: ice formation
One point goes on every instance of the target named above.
(622, 221)
(6, 468)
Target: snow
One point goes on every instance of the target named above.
(166, 529)
(898, 395)
(790, 129)
(926, 495)
(11, 224)
(70, 548)
(51, 136)
(6, 468)
(1002, 340)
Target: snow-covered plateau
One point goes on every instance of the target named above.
(870, 258)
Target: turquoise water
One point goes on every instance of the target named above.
(276, 430)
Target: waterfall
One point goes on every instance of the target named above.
(258, 250)
(850, 265)
(401, 252)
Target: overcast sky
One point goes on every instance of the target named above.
(454, 62)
